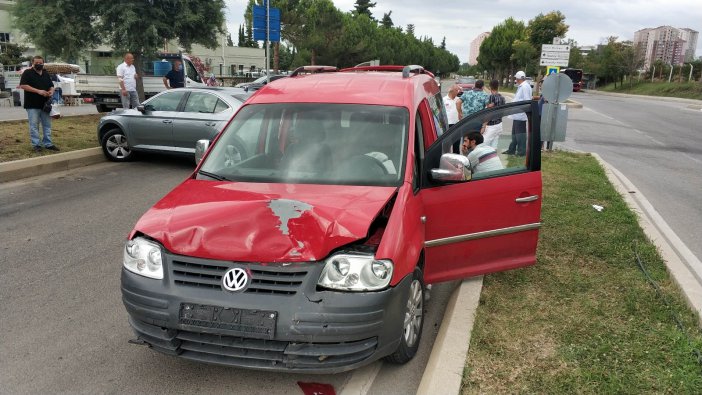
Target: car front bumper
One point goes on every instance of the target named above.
(283, 322)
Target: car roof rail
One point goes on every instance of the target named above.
(313, 69)
(406, 70)
(416, 69)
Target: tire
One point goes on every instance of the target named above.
(116, 147)
(414, 321)
(102, 108)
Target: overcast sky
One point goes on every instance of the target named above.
(590, 21)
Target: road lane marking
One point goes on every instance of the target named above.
(361, 380)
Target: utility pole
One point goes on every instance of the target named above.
(671, 72)
(690, 77)
(268, 40)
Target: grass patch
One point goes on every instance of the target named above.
(687, 90)
(68, 133)
(584, 319)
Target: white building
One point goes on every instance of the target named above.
(475, 48)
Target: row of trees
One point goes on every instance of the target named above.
(319, 33)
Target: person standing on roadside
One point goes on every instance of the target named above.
(493, 128)
(175, 78)
(127, 75)
(474, 100)
(519, 121)
(38, 89)
(453, 110)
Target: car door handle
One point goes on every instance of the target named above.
(210, 123)
(167, 121)
(527, 199)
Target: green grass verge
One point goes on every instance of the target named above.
(68, 133)
(687, 90)
(584, 319)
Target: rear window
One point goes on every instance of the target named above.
(313, 143)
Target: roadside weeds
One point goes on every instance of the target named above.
(584, 319)
(68, 133)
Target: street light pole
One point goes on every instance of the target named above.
(690, 77)
(671, 72)
(653, 73)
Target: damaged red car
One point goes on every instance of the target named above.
(306, 236)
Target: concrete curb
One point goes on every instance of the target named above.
(682, 264)
(657, 98)
(444, 371)
(18, 169)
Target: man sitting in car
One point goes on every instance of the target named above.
(481, 157)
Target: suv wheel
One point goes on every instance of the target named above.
(116, 147)
(414, 320)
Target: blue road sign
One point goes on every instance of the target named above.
(261, 25)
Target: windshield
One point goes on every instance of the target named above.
(259, 80)
(341, 144)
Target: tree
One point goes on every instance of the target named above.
(386, 22)
(443, 43)
(11, 54)
(230, 43)
(59, 28)
(544, 28)
(410, 30)
(141, 27)
(363, 7)
(496, 52)
(241, 42)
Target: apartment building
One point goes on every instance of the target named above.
(666, 43)
(475, 48)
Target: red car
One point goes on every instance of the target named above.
(466, 83)
(304, 239)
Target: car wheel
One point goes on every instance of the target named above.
(102, 108)
(413, 323)
(116, 147)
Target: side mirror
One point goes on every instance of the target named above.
(452, 168)
(200, 148)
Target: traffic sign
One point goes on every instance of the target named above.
(554, 48)
(261, 24)
(554, 55)
(553, 70)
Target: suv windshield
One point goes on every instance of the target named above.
(312, 143)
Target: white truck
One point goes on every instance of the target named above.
(104, 91)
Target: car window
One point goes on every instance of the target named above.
(191, 71)
(501, 151)
(166, 102)
(436, 103)
(201, 102)
(313, 143)
(221, 106)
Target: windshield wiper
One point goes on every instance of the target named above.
(212, 175)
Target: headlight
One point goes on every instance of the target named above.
(143, 257)
(355, 273)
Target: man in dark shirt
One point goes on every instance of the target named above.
(38, 89)
(175, 78)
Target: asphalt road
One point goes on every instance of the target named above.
(654, 143)
(63, 328)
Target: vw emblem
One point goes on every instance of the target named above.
(235, 279)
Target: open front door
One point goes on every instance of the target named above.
(491, 222)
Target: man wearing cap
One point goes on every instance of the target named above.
(519, 121)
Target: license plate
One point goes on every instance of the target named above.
(253, 323)
(110, 100)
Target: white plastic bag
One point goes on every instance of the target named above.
(55, 113)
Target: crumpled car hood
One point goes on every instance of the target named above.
(259, 222)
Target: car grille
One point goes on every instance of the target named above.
(272, 354)
(278, 279)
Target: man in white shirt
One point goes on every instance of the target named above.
(126, 74)
(452, 109)
(519, 121)
(482, 157)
